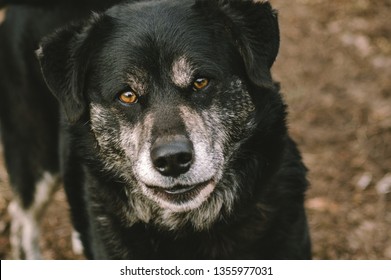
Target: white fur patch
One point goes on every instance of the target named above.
(25, 222)
(77, 245)
(182, 72)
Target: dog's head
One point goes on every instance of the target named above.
(170, 90)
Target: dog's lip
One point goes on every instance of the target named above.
(182, 189)
(181, 197)
(179, 189)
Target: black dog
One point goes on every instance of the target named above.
(173, 143)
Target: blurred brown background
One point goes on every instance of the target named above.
(335, 70)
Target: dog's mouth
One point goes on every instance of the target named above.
(177, 190)
(181, 194)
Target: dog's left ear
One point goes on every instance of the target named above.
(64, 58)
(58, 64)
(253, 27)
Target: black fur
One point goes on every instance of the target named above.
(85, 63)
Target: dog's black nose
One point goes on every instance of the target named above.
(172, 156)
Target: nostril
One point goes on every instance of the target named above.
(172, 156)
(160, 163)
(185, 158)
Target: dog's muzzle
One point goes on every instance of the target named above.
(180, 179)
(173, 156)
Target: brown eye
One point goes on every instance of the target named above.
(128, 97)
(200, 83)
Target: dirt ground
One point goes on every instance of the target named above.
(335, 70)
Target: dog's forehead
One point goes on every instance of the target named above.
(157, 40)
(153, 27)
(146, 17)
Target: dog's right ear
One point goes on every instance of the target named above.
(64, 58)
(253, 28)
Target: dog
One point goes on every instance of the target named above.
(164, 125)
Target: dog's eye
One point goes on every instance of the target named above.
(128, 97)
(200, 83)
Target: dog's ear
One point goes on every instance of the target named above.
(253, 27)
(64, 58)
